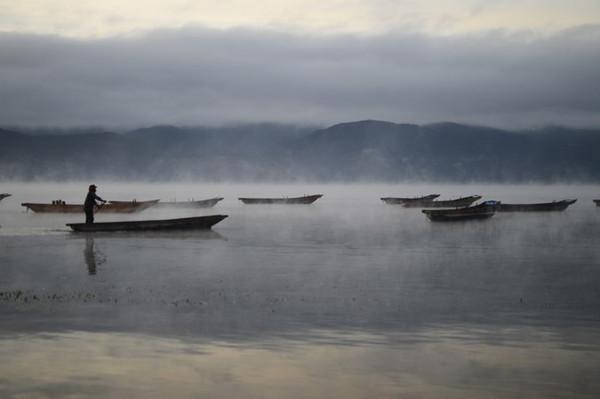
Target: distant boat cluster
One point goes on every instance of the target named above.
(462, 208)
(436, 210)
(60, 206)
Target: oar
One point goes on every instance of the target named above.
(98, 207)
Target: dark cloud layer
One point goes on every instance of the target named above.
(199, 76)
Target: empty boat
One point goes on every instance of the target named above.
(539, 207)
(484, 210)
(307, 199)
(454, 203)
(207, 203)
(403, 200)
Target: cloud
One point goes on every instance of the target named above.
(203, 76)
(92, 18)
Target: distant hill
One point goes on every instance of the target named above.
(363, 150)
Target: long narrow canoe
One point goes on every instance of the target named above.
(597, 202)
(484, 210)
(307, 199)
(402, 200)
(4, 195)
(193, 223)
(539, 207)
(111, 207)
(207, 203)
(147, 204)
(455, 203)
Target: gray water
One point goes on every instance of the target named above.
(347, 297)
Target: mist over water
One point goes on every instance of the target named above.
(347, 297)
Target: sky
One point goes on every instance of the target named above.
(504, 63)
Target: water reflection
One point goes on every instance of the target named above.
(450, 364)
(93, 257)
(502, 309)
(170, 235)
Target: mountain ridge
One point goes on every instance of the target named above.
(348, 151)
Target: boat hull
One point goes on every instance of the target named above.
(207, 203)
(456, 203)
(460, 217)
(477, 212)
(112, 207)
(403, 200)
(308, 199)
(193, 223)
(540, 207)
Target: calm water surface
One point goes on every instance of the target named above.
(347, 297)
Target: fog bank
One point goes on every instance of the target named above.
(205, 76)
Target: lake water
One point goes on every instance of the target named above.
(345, 298)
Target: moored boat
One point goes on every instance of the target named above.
(147, 204)
(110, 207)
(192, 223)
(597, 202)
(484, 210)
(455, 203)
(402, 200)
(307, 199)
(4, 195)
(207, 203)
(539, 207)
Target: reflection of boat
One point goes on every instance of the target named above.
(597, 202)
(482, 211)
(455, 203)
(540, 207)
(307, 199)
(111, 207)
(190, 234)
(207, 203)
(198, 222)
(4, 195)
(402, 200)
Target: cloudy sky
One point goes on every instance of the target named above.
(505, 63)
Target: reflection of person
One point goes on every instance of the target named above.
(90, 203)
(92, 256)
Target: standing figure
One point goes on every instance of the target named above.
(90, 203)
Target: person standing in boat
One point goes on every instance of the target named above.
(90, 203)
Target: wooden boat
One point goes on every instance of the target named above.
(307, 199)
(539, 207)
(111, 207)
(455, 203)
(402, 200)
(147, 204)
(4, 195)
(207, 203)
(193, 223)
(484, 210)
(597, 202)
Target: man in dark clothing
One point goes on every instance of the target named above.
(90, 203)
